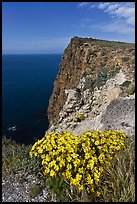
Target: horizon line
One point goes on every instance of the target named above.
(30, 53)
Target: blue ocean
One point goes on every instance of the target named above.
(27, 84)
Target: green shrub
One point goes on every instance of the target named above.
(79, 118)
(131, 89)
(89, 83)
(125, 83)
(105, 74)
(34, 190)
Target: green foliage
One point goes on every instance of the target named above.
(34, 190)
(114, 44)
(131, 89)
(16, 158)
(79, 161)
(125, 83)
(125, 59)
(128, 87)
(102, 77)
(113, 71)
(79, 118)
(58, 187)
(89, 83)
(105, 74)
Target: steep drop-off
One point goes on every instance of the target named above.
(96, 79)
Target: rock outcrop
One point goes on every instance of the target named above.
(97, 79)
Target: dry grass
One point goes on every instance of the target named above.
(119, 181)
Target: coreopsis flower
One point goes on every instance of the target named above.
(78, 159)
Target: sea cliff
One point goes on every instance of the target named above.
(96, 81)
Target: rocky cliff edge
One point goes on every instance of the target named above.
(96, 81)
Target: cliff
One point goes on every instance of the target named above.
(96, 78)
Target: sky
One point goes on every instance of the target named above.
(47, 27)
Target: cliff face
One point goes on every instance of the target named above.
(95, 78)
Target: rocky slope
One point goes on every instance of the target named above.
(96, 79)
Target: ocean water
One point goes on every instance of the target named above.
(27, 84)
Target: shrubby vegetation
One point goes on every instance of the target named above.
(105, 74)
(79, 162)
(79, 118)
(95, 166)
(15, 158)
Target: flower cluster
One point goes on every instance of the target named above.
(79, 118)
(79, 159)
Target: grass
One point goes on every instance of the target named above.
(16, 158)
(118, 182)
(114, 44)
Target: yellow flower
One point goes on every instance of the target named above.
(74, 155)
(73, 181)
(78, 155)
(76, 162)
(86, 149)
(90, 164)
(99, 147)
(33, 147)
(69, 158)
(95, 159)
(81, 170)
(44, 162)
(52, 163)
(69, 166)
(68, 174)
(30, 153)
(78, 177)
(89, 179)
(47, 170)
(80, 187)
(52, 173)
(101, 169)
(40, 150)
(97, 143)
(49, 148)
(87, 156)
(62, 163)
(117, 148)
(44, 146)
(47, 158)
(92, 189)
(43, 156)
(96, 177)
(101, 157)
(35, 154)
(38, 142)
(56, 167)
(98, 193)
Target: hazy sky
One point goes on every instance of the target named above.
(47, 27)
